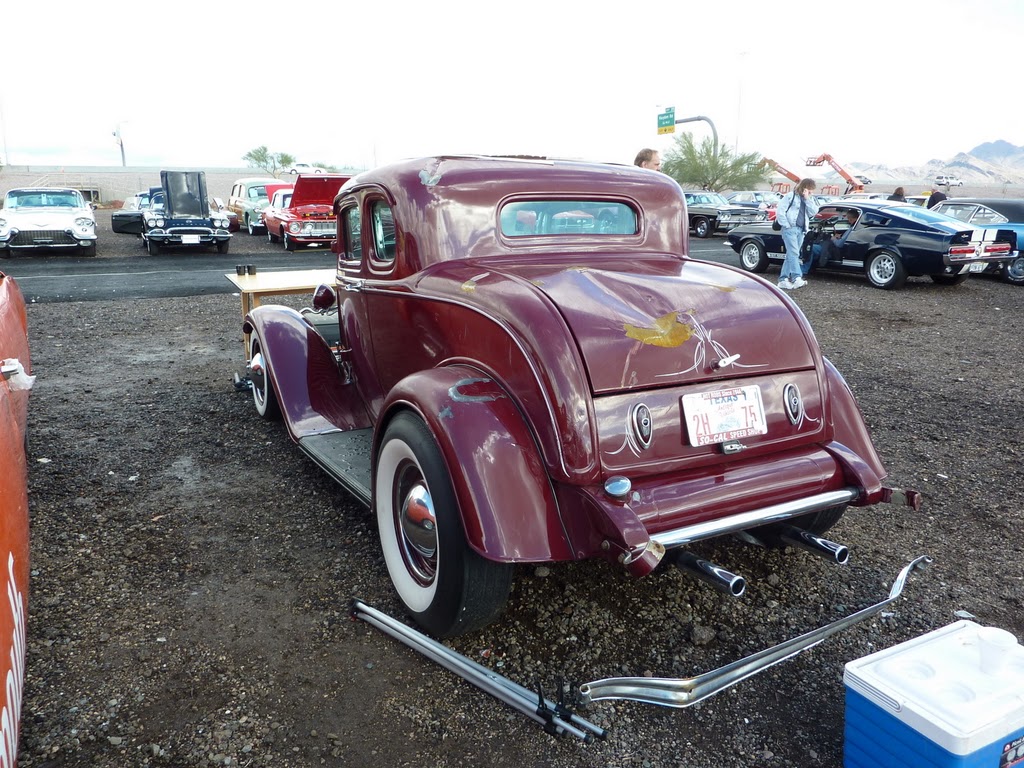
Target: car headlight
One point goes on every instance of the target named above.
(150, 222)
(84, 221)
(294, 227)
(3, 222)
(160, 222)
(307, 228)
(725, 216)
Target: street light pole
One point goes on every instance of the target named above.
(120, 141)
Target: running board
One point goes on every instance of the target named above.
(345, 456)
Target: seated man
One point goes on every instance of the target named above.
(823, 252)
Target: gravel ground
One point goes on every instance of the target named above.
(192, 571)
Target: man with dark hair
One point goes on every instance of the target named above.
(648, 158)
(822, 252)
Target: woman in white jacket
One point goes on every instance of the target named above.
(794, 213)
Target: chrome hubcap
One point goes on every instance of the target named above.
(417, 528)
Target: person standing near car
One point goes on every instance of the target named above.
(794, 214)
(898, 195)
(935, 198)
(648, 158)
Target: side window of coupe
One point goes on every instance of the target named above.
(352, 233)
(383, 231)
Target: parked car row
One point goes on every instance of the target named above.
(709, 212)
(887, 242)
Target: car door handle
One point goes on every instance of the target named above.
(353, 286)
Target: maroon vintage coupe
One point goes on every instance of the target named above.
(518, 363)
(308, 219)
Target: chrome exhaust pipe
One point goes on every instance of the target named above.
(830, 550)
(719, 578)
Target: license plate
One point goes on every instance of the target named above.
(723, 415)
(978, 266)
(190, 239)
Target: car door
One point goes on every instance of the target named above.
(353, 316)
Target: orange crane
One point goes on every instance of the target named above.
(855, 184)
(780, 186)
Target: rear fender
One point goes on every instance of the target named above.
(310, 385)
(505, 498)
(852, 446)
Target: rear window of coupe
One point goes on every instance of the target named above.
(532, 218)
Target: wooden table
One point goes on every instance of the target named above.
(254, 287)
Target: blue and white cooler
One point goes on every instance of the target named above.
(953, 698)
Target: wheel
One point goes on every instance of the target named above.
(1012, 271)
(948, 279)
(271, 237)
(753, 257)
(289, 244)
(815, 522)
(259, 376)
(88, 250)
(248, 225)
(701, 227)
(152, 247)
(446, 587)
(223, 245)
(885, 270)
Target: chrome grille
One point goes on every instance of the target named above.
(43, 237)
(189, 231)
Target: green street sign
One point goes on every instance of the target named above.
(667, 121)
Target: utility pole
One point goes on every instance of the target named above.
(120, 141)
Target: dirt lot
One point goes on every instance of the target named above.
(191, 571)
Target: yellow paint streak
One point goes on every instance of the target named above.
(667, 332)
(469, 286)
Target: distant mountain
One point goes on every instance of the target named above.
(994, 162)
(999, 153)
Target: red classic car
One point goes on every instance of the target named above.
(520, 364)
(15, 382)
(307, 220)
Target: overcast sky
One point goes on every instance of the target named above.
(192, 83)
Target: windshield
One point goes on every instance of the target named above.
(567, 217)
(37, 198)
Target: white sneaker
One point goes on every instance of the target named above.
(799, 283)
(786, 285)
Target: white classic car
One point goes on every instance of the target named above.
(47, 217)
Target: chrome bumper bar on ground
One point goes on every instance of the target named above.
(554, 716)
(683, 692)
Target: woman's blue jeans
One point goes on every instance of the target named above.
(793, 237)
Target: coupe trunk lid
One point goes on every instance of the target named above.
(661, 323)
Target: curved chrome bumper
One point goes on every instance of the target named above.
(683, 692)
